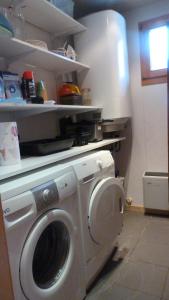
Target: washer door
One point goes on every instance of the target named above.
(47, 256)
(106, 210)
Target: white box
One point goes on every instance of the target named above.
(155, 191)
(9, 144)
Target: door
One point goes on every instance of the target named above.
(47, 256)
(106, 211)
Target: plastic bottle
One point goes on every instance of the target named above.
(41, 90)
(28, 85)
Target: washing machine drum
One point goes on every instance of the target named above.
(105, 214)
(48, 256)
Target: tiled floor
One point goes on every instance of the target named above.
(143, 274)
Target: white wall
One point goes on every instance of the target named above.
(149, 109)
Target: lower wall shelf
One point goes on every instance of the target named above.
(13, 112)
(31, 163)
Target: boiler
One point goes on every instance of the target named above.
(103, 47)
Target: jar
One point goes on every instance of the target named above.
(86, 95)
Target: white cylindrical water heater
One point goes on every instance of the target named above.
(103, 47)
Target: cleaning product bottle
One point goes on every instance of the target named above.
(41, 90)
(28, 85)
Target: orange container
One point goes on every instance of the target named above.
(67, 89)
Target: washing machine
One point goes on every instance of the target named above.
(102, 201)
(41, 216)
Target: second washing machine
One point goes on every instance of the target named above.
(101, 200)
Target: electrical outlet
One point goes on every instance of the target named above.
(129, 201)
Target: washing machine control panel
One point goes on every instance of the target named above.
(45, 195)
(54, 191)
(92, 164)
(100, 164)
(66, 185)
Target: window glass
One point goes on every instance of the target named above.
(158, 46)
(154, 49)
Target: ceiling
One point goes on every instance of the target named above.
(84, 7)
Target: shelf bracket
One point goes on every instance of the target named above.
(19, 57)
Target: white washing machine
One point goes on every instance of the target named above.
(102, 202)
(42, 223)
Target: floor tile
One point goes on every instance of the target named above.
(108, 276)
(159, 218)
(154, 253)
(142, 274)
(143, 296)
(143, 277)
(135, 217)
(166, 289)
(127, 241)
(134, 224)
(156, 231)
(117, 292)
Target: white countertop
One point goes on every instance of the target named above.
(36, 162)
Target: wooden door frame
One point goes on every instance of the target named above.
(6, 289)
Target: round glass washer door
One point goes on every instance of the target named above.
(47, 256)
(106, 211)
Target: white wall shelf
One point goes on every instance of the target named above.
(47, 17)
(32, 163)
(13, 112)
(14, 50)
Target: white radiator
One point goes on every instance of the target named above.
(155, 190)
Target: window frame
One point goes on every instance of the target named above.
(149, 77)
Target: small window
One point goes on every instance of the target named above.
(154, 49)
